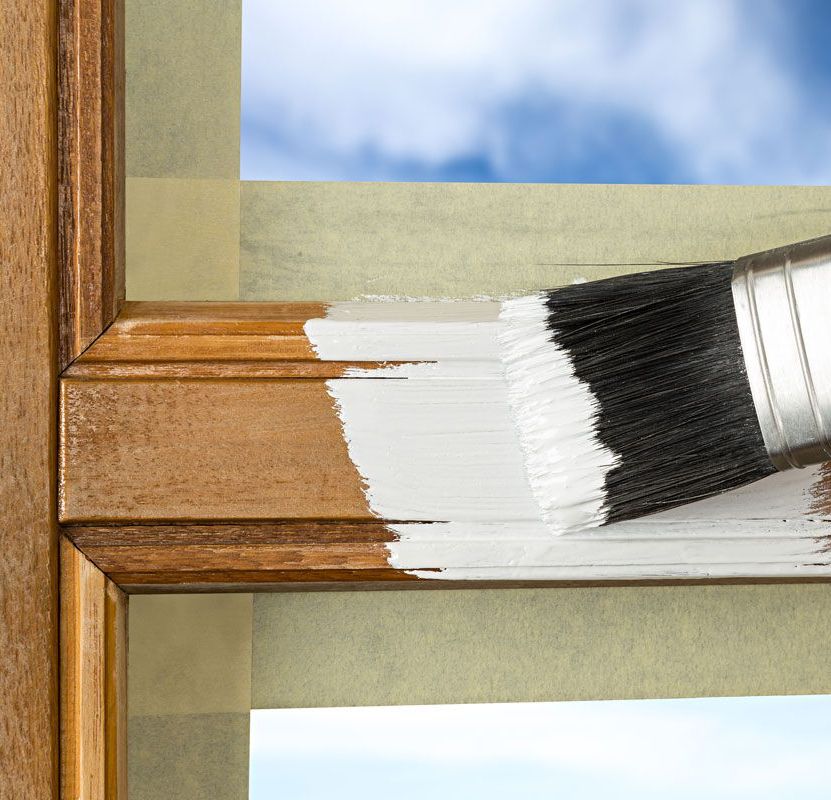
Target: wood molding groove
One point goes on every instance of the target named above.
(202, 438)
(209, 340)
(90, 169)
(275, 552)
(93, 681)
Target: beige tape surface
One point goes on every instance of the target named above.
(183, 88)
(336, 241)
(182, 239)
(476, 646)
(189, 694)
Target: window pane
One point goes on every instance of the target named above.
(693, 91)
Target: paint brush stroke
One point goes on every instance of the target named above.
(435, 442)
(627, 550)
(556, 419)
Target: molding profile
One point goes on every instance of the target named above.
(204, 444)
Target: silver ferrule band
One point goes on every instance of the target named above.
(783, 308)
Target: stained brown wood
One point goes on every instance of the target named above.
(194, 319)
(93, 681)
(176, 579)
(204, 347)
(249, 370)
(115, 691)
(209, 340)
(289, 552)
(92, 538)
(28, 366)
(191, 450)
(91, 165)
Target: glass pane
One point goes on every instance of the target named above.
(634, 91)
(723, 748)
(413, 694)
(566, 91)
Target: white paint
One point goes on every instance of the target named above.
(436, 442)
(650, 549)
(555, 414)
(407, 330)
(397, 419)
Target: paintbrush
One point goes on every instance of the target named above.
(641, 393)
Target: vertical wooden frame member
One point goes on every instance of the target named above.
(28, 401)
(93, 681)
(91, 170)
(89, 42)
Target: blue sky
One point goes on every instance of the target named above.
(622, 91)
(721, 749)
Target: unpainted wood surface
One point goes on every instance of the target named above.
(204, 450)
(193, 319)
(293, 552)
(115, 691)
(93, 681)
(209, 340)
(91, 168)
(28, 366)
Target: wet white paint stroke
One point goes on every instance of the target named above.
(441, 442)
(437, 442)
(627, 550)
(556, 417)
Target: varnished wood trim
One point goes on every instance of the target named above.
(115, 691)
(87, 369)
(209, 340)
(91, 170)
(287, 552)
(213, 450)
(152, 318)
(282, 556)
(175, 579)
(321, 532)
(113, 348)
(93, 681)
(28, 370)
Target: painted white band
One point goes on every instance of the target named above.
(437, 442)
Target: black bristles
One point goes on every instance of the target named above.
(661, 353)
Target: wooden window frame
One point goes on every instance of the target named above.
(68, 338)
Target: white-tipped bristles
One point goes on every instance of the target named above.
(555, 414)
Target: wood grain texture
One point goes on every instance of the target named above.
(91, 169)
(28, 368)
(296, 552)
(193, 319)
(191, 450)
(115, 691)
(282, 556)
(93, 681)
(209, 340)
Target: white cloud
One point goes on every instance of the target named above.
(422, 79)
(706, 745)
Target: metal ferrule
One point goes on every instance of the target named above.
(783, 307)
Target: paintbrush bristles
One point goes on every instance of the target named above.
(665, 391)
(556, 419)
